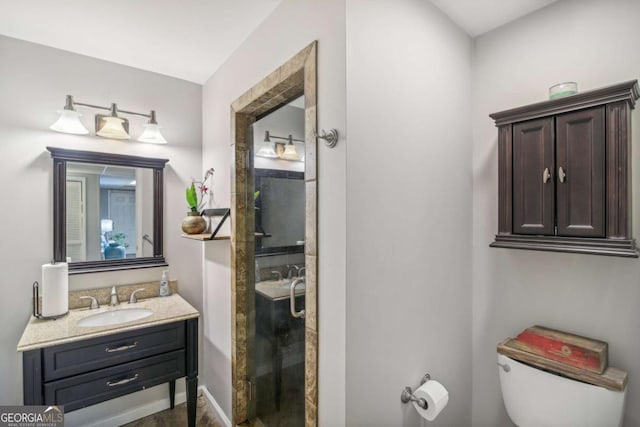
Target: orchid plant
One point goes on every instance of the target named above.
(199, 192)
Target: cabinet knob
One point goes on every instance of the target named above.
(561, 174)
(546, 175)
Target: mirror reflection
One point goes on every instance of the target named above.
(278, 346)
(108, 212)
(279, 205)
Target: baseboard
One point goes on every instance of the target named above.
(94, 416)
(126, 416)
(214, 406)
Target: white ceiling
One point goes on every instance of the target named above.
(479, 16)
(188, 39)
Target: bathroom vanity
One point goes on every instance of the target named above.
(75, 366)
(276, 325)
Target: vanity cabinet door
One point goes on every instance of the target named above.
(94, 387)
(75, 358)
(580, 157)
(533, 184)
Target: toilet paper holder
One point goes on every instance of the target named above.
(408, 396)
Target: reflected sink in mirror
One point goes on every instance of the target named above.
(114, 317)
(278, 289)
(301, 286)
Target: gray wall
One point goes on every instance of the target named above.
(292, 26)
(594, 43)
(408, 211)
(33, 83)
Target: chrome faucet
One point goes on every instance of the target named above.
(278, 274)
(289, 275)
(302, 271)
(133, 299)
(114, 297)
(94, 303)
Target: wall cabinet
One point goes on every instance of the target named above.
(564, 170)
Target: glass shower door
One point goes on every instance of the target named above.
(276, 355)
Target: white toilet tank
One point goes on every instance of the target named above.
(535, 398)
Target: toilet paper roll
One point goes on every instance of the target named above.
(55, 289)
(436, 396)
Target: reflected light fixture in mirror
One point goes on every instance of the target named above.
(107, 126)
(290, 152)
(111, 126)
(69, 120)
(267, 150)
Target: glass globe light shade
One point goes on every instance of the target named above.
(69, 122)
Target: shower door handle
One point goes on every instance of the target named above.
(292, 298)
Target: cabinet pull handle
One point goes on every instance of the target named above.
(121, 348)
(123, 381)
(561, 174)
(546, 175)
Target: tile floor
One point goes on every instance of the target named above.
(178, 417)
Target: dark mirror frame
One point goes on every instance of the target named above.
(277, 250)
(60, 158)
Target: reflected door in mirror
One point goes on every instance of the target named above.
(107, 211)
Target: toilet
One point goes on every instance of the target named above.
(536, 398)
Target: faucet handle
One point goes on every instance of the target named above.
(133, 299)
(94, 303)
(114, 297)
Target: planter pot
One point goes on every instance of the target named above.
(194, 223)
(114, 251)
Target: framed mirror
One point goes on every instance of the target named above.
(279, 211)
(107, 210)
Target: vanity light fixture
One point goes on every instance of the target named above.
(107, 126)
(290, 152)
(69, 120)
(151, 132)
(111, 126)
(267, 150)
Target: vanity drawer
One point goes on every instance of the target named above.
(88, 389)
(83, 356)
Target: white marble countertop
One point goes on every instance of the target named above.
(45, 333)
(278, 289)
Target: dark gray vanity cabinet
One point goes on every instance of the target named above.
(564, 170)
(83, 373)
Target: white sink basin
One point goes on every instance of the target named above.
(114, 317)
(300, 287)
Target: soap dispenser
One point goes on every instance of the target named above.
(164, 284)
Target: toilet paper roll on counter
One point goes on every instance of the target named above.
(436, 396)
(55, 289)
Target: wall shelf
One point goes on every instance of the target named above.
(208, 236)
(204, 237)
(223, 213)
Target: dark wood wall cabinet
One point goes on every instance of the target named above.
(564, 173)
(83, 373)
